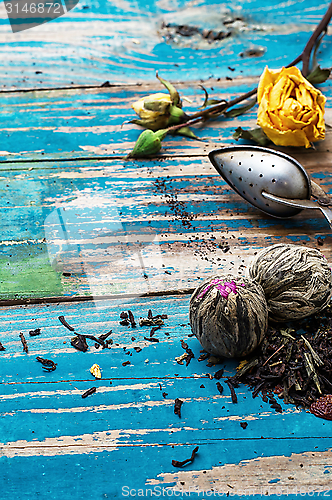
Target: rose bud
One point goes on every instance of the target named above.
(157, 111)
(147, 144)
(228, 315)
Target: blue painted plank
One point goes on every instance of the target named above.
(114, 227)
(109, 474)
(70, 218)
(89, 123)
(125, 42)
(126, 434)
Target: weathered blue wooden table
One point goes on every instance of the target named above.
(87, 235)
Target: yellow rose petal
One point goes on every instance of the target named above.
(291, 110)
(95, 371)
(296, 138)
(304, 97)
(281, 91)
(267, 78)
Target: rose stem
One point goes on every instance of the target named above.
(304, 57)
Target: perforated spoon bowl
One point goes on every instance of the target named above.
(252, 171)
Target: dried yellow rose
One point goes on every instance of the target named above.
(291, 110)
(95, 371)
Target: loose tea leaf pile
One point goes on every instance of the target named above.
(294, 363)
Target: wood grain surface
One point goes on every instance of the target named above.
(123, 41)
(126, 434)
(85, 221)
(87, 234)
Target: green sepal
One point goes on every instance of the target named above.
(185, 131)
(138, 121)
(210, 102)
(158, 106)
(175, 96)
(177, 115)
(147, 144)
(318, 75)
(255, 134)
(240, 110)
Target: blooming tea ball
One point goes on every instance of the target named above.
(228, 315)
(297, 280)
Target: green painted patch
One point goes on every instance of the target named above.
(25, 271)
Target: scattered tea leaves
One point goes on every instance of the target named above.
(231, 385)
(132, 319)
(220, 387)
(64, 322)
(176, 463)
(34, 333)
(89, 392)
(48, 364)
(177, 407)
(190, 354)
(219, 374)
(80, 343)
(150, 321)
(24, 343)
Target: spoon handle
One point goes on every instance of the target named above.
(328, 214)
(301, 204)
(321, 196)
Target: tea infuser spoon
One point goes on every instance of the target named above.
(270, 180)
(301, 204)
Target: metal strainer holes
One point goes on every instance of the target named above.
(273, 180)
(260, 175)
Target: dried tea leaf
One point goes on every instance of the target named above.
(181, 358)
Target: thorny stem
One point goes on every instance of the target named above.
(221, 107)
